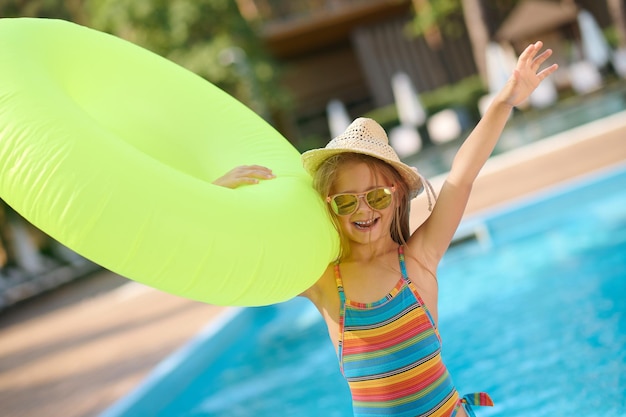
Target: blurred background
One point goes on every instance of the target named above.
(424, 69)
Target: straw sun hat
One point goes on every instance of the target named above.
(364, 136)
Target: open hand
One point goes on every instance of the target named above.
(525, 76)
(242, 175)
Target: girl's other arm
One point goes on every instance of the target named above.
(435, 234)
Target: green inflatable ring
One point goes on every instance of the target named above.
(111, 150)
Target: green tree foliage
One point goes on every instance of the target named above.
(55, 9)
(442, 14)
(208, 37)
(447, 15)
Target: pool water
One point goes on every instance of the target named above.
(532, 311)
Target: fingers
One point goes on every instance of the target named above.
(547, 71)
(528, 55)
(527, 74)
(245, 181)
(530, 59)
(541, 59)
(244, 175)
(255, 171)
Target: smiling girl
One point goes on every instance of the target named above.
(379, 298)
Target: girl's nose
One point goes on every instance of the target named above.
(361, 201)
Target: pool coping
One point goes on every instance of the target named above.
(559, 158)
(171, 362)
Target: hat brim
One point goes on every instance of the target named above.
(313, 159)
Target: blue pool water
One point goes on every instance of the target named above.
(533, 312)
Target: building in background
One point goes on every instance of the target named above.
(349, 50)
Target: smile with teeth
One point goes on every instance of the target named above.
(365, 224)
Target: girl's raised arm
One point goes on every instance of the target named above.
(433, 237)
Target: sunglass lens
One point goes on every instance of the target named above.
(344, 204)
(379, 198)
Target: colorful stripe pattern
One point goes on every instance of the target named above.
(390, 354)
(479, 399)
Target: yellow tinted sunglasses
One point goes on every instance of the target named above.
(378, 199)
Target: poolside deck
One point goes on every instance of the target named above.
(75, 351)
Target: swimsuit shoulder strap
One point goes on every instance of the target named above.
(402, 262)
(414, 290)
(339, 283)
(405, 275)
(342, 313)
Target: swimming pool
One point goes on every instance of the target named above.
(532, 311)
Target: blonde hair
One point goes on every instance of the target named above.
(326, 175)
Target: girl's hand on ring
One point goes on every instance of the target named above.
(244, 175)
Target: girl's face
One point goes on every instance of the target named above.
(365, 225)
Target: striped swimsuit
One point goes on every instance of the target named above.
(390, 354)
